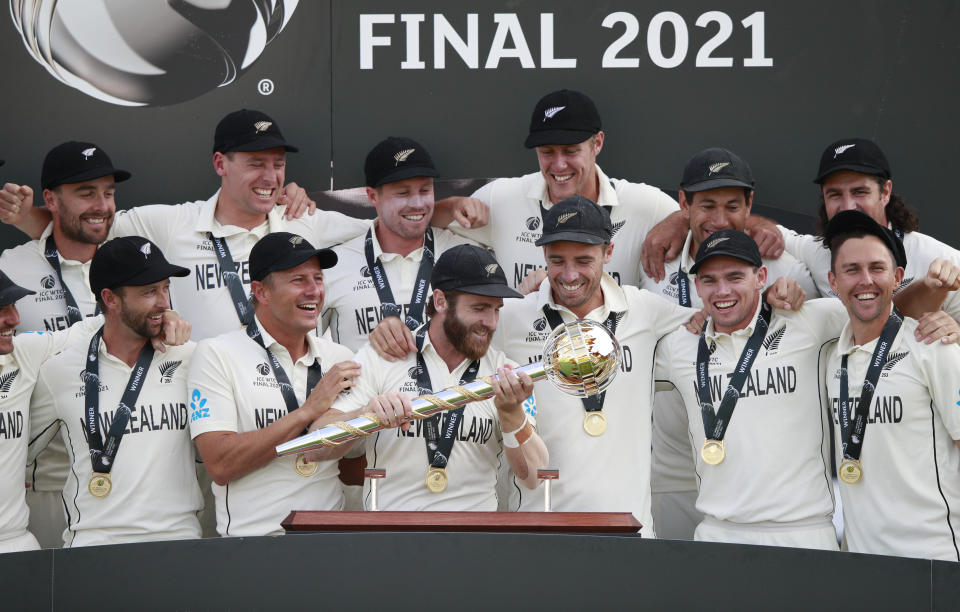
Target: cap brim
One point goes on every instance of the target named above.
(557, 137)
(118, 176)
(723, 253)
(490, 290)
(11, 294)
(262, 144)
(154, 274)
(852, 167)
(581, 237)
(845, 223)
(715, 184)
(405, 173)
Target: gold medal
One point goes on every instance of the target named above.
(713, 452)
(100, 484)
(595, 423)
(305, 468)
(850, 471)
(436, 479)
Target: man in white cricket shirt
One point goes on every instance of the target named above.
(449, 461)
(565, 131)
(894, 404)
(254, 388)
(716, 193)
(122, 409)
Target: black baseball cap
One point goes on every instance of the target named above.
(471, 269)
(729, 243)
(576, 219)
(130, 261)
(858, 223)
(714, 168)
(282, 251)
(248, 130)
(856, 154)
(396, 158)
(563, 117)
(75, 162)
(10, 292)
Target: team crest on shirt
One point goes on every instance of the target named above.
(49, 292)
(6, 382)
(533, 223)
(167, 369)
(48, 282)
(86, 376)
(532, 233)
(616, 227)
(409, 386)
(364, 281)
(541, 330)
(265, 377)
(772, 342)
(892, 360)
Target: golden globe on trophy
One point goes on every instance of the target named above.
(580, 358)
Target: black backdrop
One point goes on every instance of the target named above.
(882, 70)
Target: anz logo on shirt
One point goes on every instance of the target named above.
(198, 406)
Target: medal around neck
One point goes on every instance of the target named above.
(713, 452)
(850, 471)
(595, 423)
(436, 479)
(99, 484)
(305, 468)
(581, 358)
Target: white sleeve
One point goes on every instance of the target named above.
(664, 315)
(941, 366)
(662, 369)
(44, 422)
(213, 404)
(482, 235)
(824, 317)
(365, 387)
(154, 222)
(326, 228)
(803, 247)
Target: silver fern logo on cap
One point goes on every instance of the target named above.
(550, 112)
(717, 167)
(295, 240)
(262, 126)
(717, 241)
(87, 153)
(566, 217)
(839, 150)
(491, 269)
(401, 156)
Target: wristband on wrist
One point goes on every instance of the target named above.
(513, 439)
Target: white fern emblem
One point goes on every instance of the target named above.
(87, 153)
(491, 269)
(717, 241)
(6, 381)
(717, 167)
(566, 217)
(839, 150)
(550, 112)
(772, 342)
(145, 249)
(167, 368)
(402, 156)
(262, 126)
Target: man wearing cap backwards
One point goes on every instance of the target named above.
(122, 408)
(897, 445)
(20, 359)
(255, 388)
(716, 193)
(566, 133)
(78, 181)
(463, 447)
(383, 275)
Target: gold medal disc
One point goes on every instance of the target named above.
(436, 479)
(100, 484)
(713, 452)
(850, 471)
(595, 423)
(305, 468)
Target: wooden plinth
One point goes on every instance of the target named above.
(300, 521)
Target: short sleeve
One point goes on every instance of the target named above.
(212, 403)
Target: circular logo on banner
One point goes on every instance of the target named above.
(149, 53)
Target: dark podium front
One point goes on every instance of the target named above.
(468, 571)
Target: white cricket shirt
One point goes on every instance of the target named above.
(155, 495)
(476, 455)
(516, 222)
(776, 466)
(907, 501)
(611, 472)
(351, 306)
(232, 388)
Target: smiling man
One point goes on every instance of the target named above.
(565, 132)
(255, 388)
(383, 276)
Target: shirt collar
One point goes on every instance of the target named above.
(607, 194)
(686, 259)
(313, 345)
(614, 299)
(712, 334)
(415, 255)
(847, 346)
(207, 222)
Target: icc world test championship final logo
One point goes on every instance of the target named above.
(148, 52)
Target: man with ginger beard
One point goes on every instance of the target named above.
(123, 409)
(463, 447)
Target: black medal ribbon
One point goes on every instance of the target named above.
(439, 443)
(50, 253)
(314, 372)
(683, 287)
(593, 403)
(230, 276)
(104, 452)
(715, 423)
(388, 305)
(853, 430)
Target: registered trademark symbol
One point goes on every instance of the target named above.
(265, 87)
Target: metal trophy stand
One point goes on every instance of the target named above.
(375, 475)
(548, 476)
